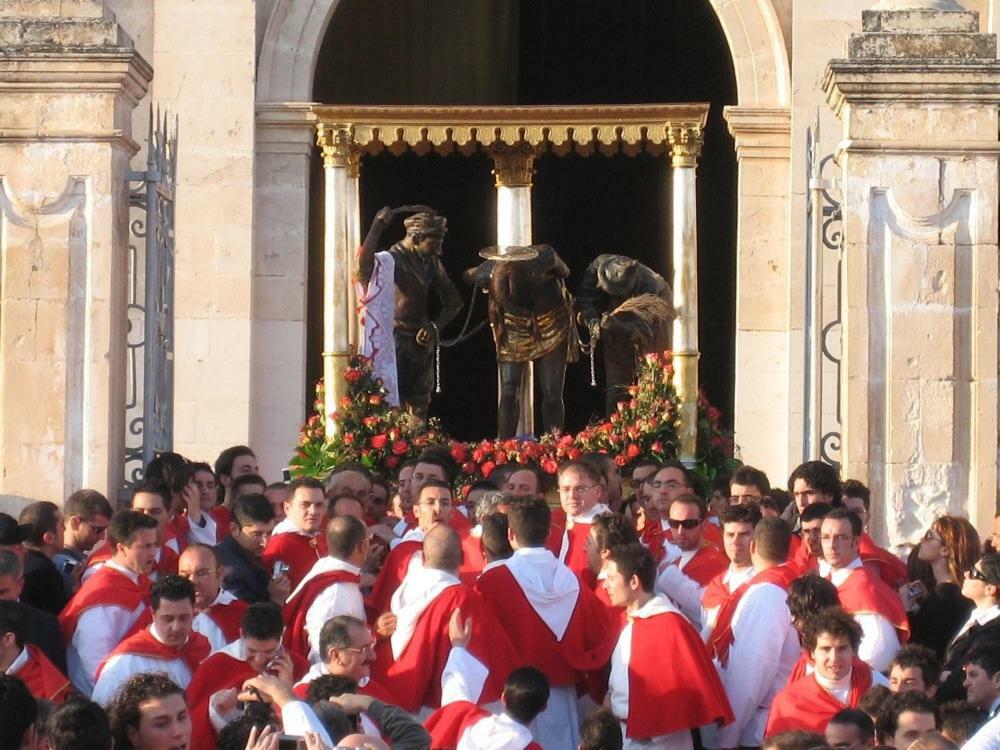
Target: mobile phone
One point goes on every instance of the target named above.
(916, 589)
(286, 475)
(279, 569)
(291, 742)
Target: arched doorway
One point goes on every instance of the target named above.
(542, 53)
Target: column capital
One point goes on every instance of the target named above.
(337, 142)
(685, 145)
(513, 166)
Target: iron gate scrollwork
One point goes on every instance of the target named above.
(149, 408)
(825, 232)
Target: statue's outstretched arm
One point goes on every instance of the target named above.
(384, 217)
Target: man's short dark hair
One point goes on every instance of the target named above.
(586, 467)
(874, 699)
(235, 734)
(831, 621)
(772, 538)
(12, 620)
(960, 720)
(843, 514)
(244, 480)
(171, 470)
(20, 711)
(151, 487)
(441, 458)
(530, 521)
(525, 694)
(328, 686)
(815, 512)
(854, 488)
(612, 530)
(986, 656)
(126, 524)
(601, 731)
(913, 655)
(79, 724)
(262, 621)
(898, 704)
(822, 477)
(434, 483)
(853, 717)
(86, 504)
(310, 483)
(171, 588)
(44, 519)
(494, 536)
(796, 739)
(250, 509)
(635, 560)
(336, 633)
(684, 470)
(346, 466)
(689, 498)
(224, 463)
(343, 535)
(748, 476)
(740, 514)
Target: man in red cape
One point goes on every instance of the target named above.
(685, 577)
(167, 645)
(462, 723)
(875, 606)
(753, 641)
(111, 603)
(657, 700)
(562, 629)
(298, 541)
(831, 637)
(212, 694)
(329, 589)
(738, 523)
(219, 612)
(580, 492)
(25, 661)
(412, 660)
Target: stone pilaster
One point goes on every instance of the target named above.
(69, 80)
(917, 96)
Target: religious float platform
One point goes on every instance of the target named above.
(380, 436)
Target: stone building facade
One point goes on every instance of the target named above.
(905, 94)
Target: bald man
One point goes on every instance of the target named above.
(219, 612)
(414, 658)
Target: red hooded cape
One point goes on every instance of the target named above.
(864, 592)
(42, 678)
(803, 704)
(707, 563)
(392, 574)
(106, 587)
(194, 652)
(296, 608)
(228, 617)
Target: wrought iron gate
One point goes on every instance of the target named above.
(149, 408)
(824, 233)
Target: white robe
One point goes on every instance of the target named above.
(336, 599)
(121, 667)
(204, 624)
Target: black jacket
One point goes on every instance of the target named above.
(954, 658)
(244, 575)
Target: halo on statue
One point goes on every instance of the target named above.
(509, 253)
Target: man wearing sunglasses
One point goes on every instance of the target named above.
(86, 515)
(684, 579)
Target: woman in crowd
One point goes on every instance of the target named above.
(950, 547)
(982, 586)
(149, 713)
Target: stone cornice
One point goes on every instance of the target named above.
(760, 132)
(582, 129)
(122, 70)
(917, 82)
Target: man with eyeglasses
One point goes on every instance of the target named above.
(685, 577)
(218, 612)
(212, 694)
(875, 606)
(329, 589)
(86, 515)
(351, 479)
(580, 493)
(806, 558)
(673, 480)
(433, 506)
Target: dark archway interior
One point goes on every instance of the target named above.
(540, 52)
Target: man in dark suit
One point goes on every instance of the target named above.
(41, 628)
(982, 586)
(240, 552)
(43, 583)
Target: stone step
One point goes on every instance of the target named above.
(49, 9)
(60, 32)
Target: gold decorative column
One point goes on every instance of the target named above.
(353, 243)
(336, 141)
(513, 169)
(685, 147)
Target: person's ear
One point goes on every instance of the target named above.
(75, 522)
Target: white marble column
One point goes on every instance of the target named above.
(685, 146)
(336, 144)
(353, 242)
(513, 168)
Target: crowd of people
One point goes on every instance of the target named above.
(222, 611)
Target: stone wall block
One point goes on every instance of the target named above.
(904, 412)
(54, 9)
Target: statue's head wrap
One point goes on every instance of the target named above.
(425, 224)
(617, 275)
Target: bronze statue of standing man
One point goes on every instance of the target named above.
(417, 270)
